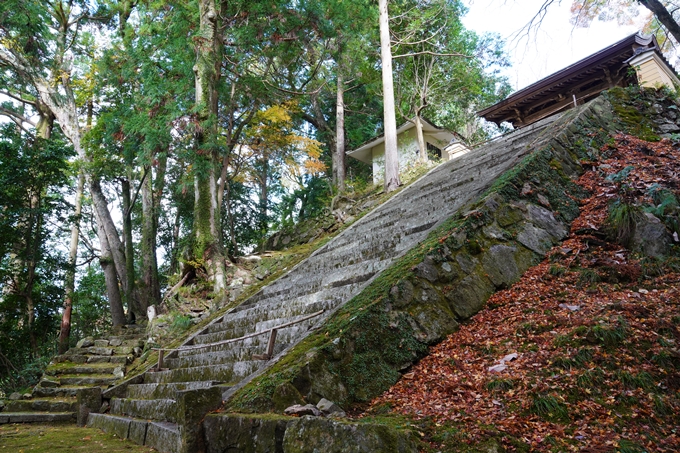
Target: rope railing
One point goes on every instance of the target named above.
(270, 345)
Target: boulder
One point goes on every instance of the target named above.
(329, 408)
(651, 236)
(299, 410)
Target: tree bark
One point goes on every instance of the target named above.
(207, 231)
(134, 306)
(111, 278)
(339, 154)
(664, 16)
(70, 280)
(108, 228)
(149, 271)
(392, 180)
(422, 148)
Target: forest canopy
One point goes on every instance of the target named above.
(142, 142)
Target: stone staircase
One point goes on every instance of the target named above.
(163, 408)
(92, 363)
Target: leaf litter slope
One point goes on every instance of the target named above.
(594, 329)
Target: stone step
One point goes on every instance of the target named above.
(93, 368)
(57, 392)
(163, 436)
(227, 353)
(246, 322)
(250, 317)
(156, 409)
(328, 278)
(164, 391)
(225, 373)
(285, 335)
(37, 417)
(89, 380)
(117, 359)
(85, 358)
(42, 405)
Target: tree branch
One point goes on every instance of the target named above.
(434, 54)
(15, 116)
(18, 98)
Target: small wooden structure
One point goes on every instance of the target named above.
(439, 141)
(636, 59)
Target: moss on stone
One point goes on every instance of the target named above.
(364, 346)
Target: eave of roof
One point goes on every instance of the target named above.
(623, 46)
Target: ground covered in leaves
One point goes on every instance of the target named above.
(583, 353)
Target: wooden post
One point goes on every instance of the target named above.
(270, 346)
(160, 360)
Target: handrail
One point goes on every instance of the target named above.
(272, 332)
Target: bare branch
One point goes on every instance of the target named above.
(15, 116)
(434, 54)
(18, 98)
(299, 93)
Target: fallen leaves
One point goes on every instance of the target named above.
(579, 355)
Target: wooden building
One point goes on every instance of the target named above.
(636, 59)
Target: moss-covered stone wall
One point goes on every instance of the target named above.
(371, 341)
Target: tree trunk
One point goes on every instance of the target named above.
(263, 202)
(149, 271)
(111, 278)
(392, 180)
(134, 306)
(422, 148)
(107, 227)
(70, 280)
(339, 154)
(231, 224)
(30, 262)
(665, 17)
(207, 231)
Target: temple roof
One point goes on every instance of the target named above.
(575, 84)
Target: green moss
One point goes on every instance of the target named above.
(363, 346)
(62, 438)
(633, 107)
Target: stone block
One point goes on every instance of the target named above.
(499, 264)
(112, 424)
(89, 400)
(245, 434)
(192, 405)
(312, 434)
(101, 343)
(164, 437)
(85, 343)
(137, 432)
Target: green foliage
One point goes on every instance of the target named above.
(180, 323)
(500, 385)
(621, 220)
(550, 407)
(33, 178)
(90, 315)
(447, 89)
(610, 336)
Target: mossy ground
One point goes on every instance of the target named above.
(37, 438)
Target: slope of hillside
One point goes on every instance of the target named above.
(582, 353)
